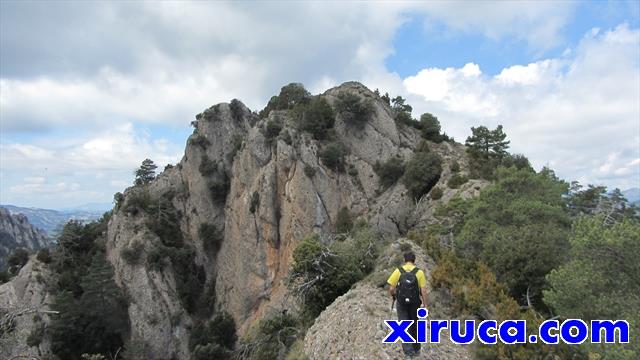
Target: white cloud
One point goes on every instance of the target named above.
(579, 114)
(178, 58)
(90, 169)
(460, 90)
(538, 23)
(190, 55)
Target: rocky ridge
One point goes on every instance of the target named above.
(352, 327)
(17, 232)
(269, 203)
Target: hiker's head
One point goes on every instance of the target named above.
(409, 256)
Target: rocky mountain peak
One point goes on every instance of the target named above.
(17, 232)
(217, 230)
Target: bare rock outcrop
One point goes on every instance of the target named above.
(352, 327)
(222, 224)
(259, 193)
(24, 310)
(17, 232)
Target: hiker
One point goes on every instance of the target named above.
(408, 287)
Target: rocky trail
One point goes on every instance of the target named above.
(352, 327)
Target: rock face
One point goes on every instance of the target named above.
(260, 196)
(353, 327)
(17, 232)
(272, 203)
(26, 300)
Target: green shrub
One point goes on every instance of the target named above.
(423, 147)
(214, 339)
(354, 109)
(422, 173)
(274, 336)
(93, 322)
(309, 170)
(344, 223)
(199, 140)
(321, 273)
(156, 257)
(518, 160)
(164, 220)
(436, 193)
(404, 118)
(455, 167)
(402, 112)
(474, 290)
(236, 140)
(219, 188)
(519, 227)
(333, 156)
(190, 277)
(210, 237)
(272, 129)
(456, 180)
(236, 108)
(36, 335)
(118, 200)
(4, 277)
(296, 351)
(18, 258)
(291, 95)
(317, 118)
(430, 128)
(389, 172)
(210, 114)
(207, 166)
(131, 254)
(255, 202)
(44, 256)
(137, 200)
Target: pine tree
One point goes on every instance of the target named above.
(146, 172)
(97, 321)
(487, 144)
(66, 334)
(104, 306)
(487, 149)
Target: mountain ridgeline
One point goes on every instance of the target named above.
(275, 224)
(17, 233)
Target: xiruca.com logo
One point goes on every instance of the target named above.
(570, 331)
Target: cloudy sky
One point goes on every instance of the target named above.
(90, 89)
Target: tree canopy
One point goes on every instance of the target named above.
(146, 173)
(290, 96)
(518, 227)
(486, 148)
(602, 280)
(354, 109)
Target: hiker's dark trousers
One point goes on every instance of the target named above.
(409, 312)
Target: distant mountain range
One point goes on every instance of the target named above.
(52, 220)
(633, 195)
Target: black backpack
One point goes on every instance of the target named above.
(408, 290)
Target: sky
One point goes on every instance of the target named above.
(90, 89)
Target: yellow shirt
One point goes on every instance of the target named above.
(395, 276)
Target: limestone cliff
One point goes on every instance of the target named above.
(271, 204)
(226, 218)
(17, 232)
(24, 304)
